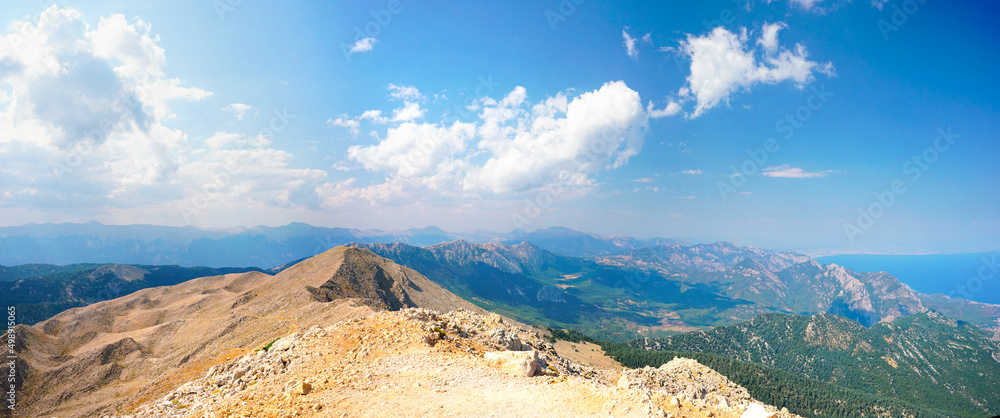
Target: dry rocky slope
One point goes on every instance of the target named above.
(353, 334)
(110, 357)
(417, 362)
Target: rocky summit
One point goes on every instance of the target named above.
(110, 357)
(417, 362)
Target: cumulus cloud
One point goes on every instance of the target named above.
(414, 149)
(408, 112)
(363, 45)
(102, 92)
(786, 171)
(559, 141)
(82, 123)
(512, 147)
(239, 110)
(722, 65)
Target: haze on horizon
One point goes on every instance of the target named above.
(820, 124)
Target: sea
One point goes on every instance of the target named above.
(973, 276)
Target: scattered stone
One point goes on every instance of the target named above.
(301, 388)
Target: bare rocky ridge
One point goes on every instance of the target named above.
(334, 346)
(112, 356)
(417, 362)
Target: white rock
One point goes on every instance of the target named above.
(282, 344)
(518, 363)
(240, 371)
(756, 411)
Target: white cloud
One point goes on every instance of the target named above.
(224, 139)
(414, 149)
(374, 116)
(769, 38)
(239, 110)
(643, 180)
(560, 142)
(690, 172)
(250, 172)
(879, 4)
(85, 127)
(409, 111)
(630, 48)
(806, 4)
(672, 108)
(786, 171)
(514, 146)
(363, 45)
(722, 65)
(343, 121)
(406, 93)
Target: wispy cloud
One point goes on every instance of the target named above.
(806, 4)
(786, 171)
(630, 48)
(644, 180)
(690, 172)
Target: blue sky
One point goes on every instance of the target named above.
(610, 117)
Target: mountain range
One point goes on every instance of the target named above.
(649, 291)
(666, 289)
(261, 246)
(767, 320)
